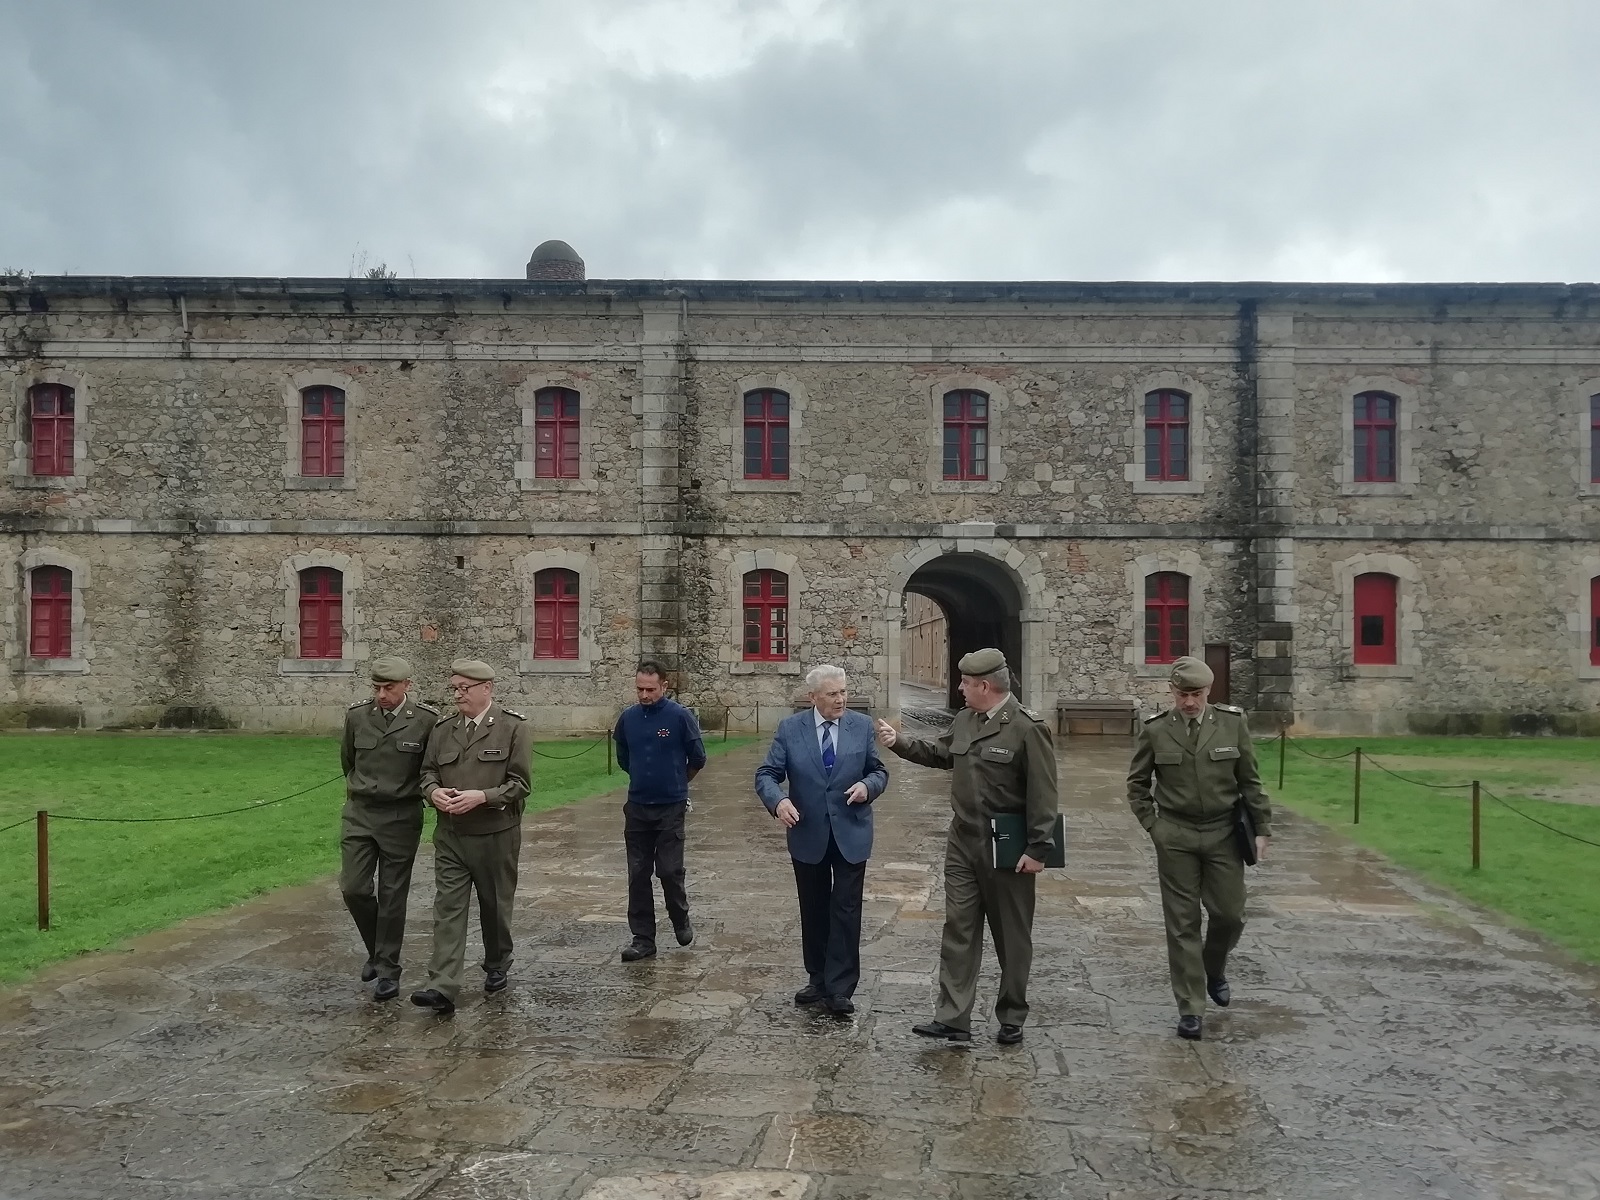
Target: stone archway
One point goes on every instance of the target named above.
(992, 595)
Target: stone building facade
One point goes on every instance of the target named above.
(160, 525)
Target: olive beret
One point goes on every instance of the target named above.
(391, 668)
(1190, 674)
(472, 668)
(981, 662)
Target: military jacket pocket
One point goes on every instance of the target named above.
(366, 741)
(449, 754)
(1168, 758)
(998, 753)
(491, 755)
(1224, 752)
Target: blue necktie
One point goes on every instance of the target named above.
(828, 756)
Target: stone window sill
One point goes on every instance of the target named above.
(1587, 670)
(1150, 670)
(299, 483)
(1378, 671)
(313, 668)
(949, 487)
(767, 485)
(63, 483)
(557, 485)
(1590, 491)
(56, 666)
(554, 666)
(765, 668)
(1377, 489)
(1168, 487)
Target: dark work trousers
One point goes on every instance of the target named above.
(830, 920)
(379, 842)
(654, 837)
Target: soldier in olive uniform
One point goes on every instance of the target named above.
(1003, 760)
(384, 739)
(1190, 764)
(476, 774)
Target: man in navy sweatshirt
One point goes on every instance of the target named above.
(659, 746)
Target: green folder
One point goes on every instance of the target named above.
(1009, 838)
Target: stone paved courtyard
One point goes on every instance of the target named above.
(1384, 1041)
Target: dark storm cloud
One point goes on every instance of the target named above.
(879, 138)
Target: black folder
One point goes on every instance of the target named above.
(1009, 840)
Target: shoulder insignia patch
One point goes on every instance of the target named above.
(361, 703)
(427, 708)
(1157, 716)
(446, 718)
(511, 712)
(1229, 708)
(1030, 714)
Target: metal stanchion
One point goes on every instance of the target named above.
(1476, 839)
(1357, 820)
(42, 826)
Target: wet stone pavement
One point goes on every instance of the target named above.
(1384, 1041)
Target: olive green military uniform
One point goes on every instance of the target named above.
(1002, 762)
(382, 821)
(476, 851)
(1182, 788)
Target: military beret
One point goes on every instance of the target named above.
(391, 668)
(981, 662)
(1190, 674)
(472, 668)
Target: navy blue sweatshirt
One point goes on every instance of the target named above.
(658, 745)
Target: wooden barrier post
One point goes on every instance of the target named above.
(1283, 742)
(42, 828)
(608, 754)
(1476, 840)
(1357, 821)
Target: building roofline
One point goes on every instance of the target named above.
(135, 287)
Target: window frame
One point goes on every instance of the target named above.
(328, 429)
(558, 456)
(58, 604)
(321, 603)
(1594, 441)
(557, 611)
(1164, 607)
(766, 422)
(1364, 460)
(1163, 425)
(19, 641)
(1408, 407)
(63, 428)
(1594, 620)
(295, 388)
(766, 604)
(1368, 604)
(966, 428)
(22, 462)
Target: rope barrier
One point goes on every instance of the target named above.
(1295, 742)
(225, 812)
(1536, 820)
(1441, 787)
(16, 824)
(561, 757)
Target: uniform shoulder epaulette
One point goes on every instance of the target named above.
(1157, 716)
(511, 712)
(1030, 714)
(427, 708)
(361, 703)
(446, 717)
(1229, 708)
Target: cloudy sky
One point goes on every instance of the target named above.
(842, 139)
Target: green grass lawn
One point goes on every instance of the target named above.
(111, 881)
(1536, 877)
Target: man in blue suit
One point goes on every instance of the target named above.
(829, 759)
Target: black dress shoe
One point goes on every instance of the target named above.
(369, 971)
(810, 994)
(684, 933)
(1189, 1027)
(938, 1029)
(1009, 1035)
(840, 1006)
(1217, 989)
(387, 989)
(434, 999)
(635, 950)
(494, 981)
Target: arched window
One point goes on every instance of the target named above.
(1594, 621)
(766, 616)
(1376, 609)
(766, 434)
(555, 433)
(322, 433)
(1376, 437)
(52, 421)
(1166, 436)
(50, 613)
(966, 435)
(555, 613)
(321, 613)
(1166, 617)
(1594, 439)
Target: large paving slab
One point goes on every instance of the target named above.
(1385, 1041)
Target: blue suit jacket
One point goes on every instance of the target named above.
(819, 795)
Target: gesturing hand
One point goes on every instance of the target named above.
(857, 794)
(787, 813)
(886, 734)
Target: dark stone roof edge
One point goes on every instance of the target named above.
(803, 291)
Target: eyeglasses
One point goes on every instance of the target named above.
(461, 689)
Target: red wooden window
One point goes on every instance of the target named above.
(50, 613)
(766, 434)
(322, 433)
(1377, 603)
(555, 614)
(1166, 436)
(966, 435)
(1376, 440)
(321, 613)
(53, 425)
(766, 616)
(1166, 617)
(555, 433)
(1594, 621)
(1594, 439)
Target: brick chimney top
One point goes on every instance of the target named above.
(555, 260)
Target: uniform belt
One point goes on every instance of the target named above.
(1203, 824)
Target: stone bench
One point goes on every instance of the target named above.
(1111, 716)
